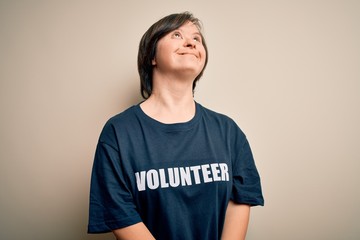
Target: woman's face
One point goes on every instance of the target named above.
(180, 51)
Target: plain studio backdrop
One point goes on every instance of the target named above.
(288, 72)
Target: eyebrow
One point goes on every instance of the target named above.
(194, 33)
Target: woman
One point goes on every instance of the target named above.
(168, 168)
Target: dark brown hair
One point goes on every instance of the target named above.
(148, 44)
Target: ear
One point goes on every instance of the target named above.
(153, 62)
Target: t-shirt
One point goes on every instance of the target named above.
(175, 178)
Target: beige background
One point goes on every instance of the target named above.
(287, 71)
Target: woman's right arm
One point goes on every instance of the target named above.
(137, 231)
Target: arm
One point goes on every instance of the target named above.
(236, 221)
(137, 231)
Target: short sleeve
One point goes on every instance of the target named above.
(111, 203)
(246, 179)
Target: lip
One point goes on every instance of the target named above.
(188, 53)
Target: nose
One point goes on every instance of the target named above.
(189, 43)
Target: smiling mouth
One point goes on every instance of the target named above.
(193, 54)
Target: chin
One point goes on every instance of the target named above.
(191, 70)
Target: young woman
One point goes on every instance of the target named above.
(169, 168)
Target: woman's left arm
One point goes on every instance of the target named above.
(236, 221)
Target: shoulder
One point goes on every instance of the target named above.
(123, 118)
(120, 122)
(214, 114)
(223, 121)
(218, 117)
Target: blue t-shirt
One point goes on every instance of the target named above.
(175, 178)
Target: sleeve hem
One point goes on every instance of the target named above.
(108, 226)
(250, 202)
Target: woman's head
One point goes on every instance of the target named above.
(149, 42)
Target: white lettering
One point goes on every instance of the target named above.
(224, 171)
(185, 176)
(174, 177)
(163, 182)
(215, 171)
(195, 170)
(206, 173)
(152, 178)
(140, 180)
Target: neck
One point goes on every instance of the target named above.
(170, 103)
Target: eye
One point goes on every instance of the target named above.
(197, 39)
(177, 35)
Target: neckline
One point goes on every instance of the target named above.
(169, 127)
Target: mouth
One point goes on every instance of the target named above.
(188, 53)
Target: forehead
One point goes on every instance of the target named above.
(189, 27)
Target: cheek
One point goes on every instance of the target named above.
(161, 53)
(203, 54)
